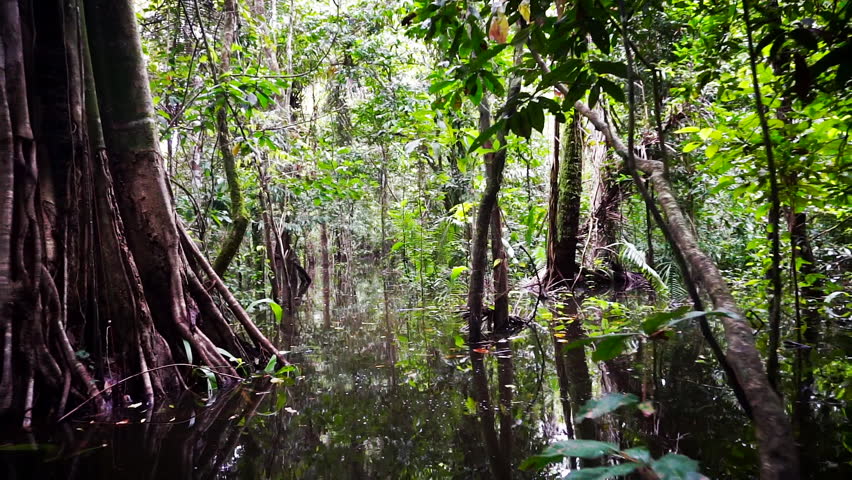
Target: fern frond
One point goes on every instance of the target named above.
(631, 254)
(671, 275)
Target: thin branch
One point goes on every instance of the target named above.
(774, 212)
(145, 372)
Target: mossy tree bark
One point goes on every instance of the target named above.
(566, 183)
(239, 218)
(98, 281)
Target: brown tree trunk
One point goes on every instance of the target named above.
(494, 163)
(500, 274)
(779, 459)
(326, 277)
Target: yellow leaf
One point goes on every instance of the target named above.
(524, 10)
(499, 30)
(236, 149)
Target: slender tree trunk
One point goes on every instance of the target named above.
(774, 214)
(777, 447)
(494, 163)
(326, 277)
(500, 274)
(239, 217)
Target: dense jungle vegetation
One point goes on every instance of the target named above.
(426, 239)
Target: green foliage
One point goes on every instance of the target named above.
(670, 466)
(606, 404)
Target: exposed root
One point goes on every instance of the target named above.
(254, 333)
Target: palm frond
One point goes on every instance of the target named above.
(632, 255)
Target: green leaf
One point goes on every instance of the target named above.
(270, 365)
(470, 404)
(594, 94)
(536, 116)
(277, 311)
(188, 350)
(459, 341)
(630, 253)
(599, 33)
(483, 57)
(612, 89)
(520, 124)
(485, 136)
(606, 404)
(688, 130)
(675, 467)
(568, 448)
(440, 86)
(564, 73)
(653, 322)
(457, 271)
(613, 68)
(638, 453)
(600, 473)
(212, 383)
(691, 146)
(579, 343)
(229, 356)
(610, 347)
(492, 83)
(711, 150)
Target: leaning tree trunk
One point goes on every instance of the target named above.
(98, 282)
(776, 446)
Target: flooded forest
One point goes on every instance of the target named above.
(347, 239)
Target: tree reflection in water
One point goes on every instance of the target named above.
(394, 393)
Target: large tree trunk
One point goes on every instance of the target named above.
(91, 258)
(779, 459)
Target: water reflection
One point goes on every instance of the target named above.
(187, 441)
(387, 391)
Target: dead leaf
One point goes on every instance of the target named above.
(499, 30)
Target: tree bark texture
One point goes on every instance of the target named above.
(564, 209)
(779, 459)
(500, 273)
(94, 282)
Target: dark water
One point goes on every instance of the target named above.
(389, 392)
